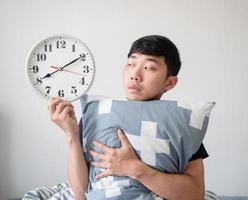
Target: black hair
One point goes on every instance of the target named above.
(157, 45)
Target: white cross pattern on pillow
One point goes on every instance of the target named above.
(148, 144)
(199, 112)
(111, 186)
(105, 106)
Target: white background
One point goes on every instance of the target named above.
(212, 39)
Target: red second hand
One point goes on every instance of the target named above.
(60, 69)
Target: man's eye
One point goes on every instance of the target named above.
(150, 68)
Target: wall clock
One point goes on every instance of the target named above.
(60, 66)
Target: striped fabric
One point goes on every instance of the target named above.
(211, 196)
(63, 191)
(60, 191)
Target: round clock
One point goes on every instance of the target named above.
(60, 66)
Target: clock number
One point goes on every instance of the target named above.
(82, 57)
(82, 81)
(60, 44)
(73, 90)
(48, 88)
(35, 69)
(48, 48)
(73, 47)
(61, 93)
(38, 80)
(41, 57)
(86, 69)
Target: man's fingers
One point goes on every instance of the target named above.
(123, 138)
(104, 147)
(53, 103)
(67, 111)
(105, 173)
(103, 165)
(61, 105)
(97, 155)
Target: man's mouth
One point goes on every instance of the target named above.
(134, 88)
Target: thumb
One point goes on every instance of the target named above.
(123, 138)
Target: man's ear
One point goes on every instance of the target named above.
(170, 83)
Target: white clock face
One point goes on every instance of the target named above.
(61, 66)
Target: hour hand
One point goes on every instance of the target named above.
(46, 76)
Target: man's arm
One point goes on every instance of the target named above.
(188, 186)
(124, 162)
(62, 114)
(77, 169)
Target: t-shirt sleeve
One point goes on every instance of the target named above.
(201, 153)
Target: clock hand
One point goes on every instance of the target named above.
(60, 69)
(72, 62)
(49, 74)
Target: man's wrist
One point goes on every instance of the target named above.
(141, 170)
(137, 169)
(73, 138)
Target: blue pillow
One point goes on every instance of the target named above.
(165, 134)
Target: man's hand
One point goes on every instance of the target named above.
(62, 113)
(117, 162)
(124, 162)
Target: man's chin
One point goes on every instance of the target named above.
(135, 97)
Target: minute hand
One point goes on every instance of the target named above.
(71, 62)
(49, 74)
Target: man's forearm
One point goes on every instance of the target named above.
(170, 186)
(77, 169)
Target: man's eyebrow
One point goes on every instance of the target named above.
(153, 60)
(149, 59)
(133, 57)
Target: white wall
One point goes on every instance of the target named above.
(211, 36)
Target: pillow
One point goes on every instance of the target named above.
(164, 133)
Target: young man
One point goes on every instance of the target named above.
(152, 68)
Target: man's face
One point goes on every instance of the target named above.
(145, 77)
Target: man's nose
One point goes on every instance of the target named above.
(135, 76)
